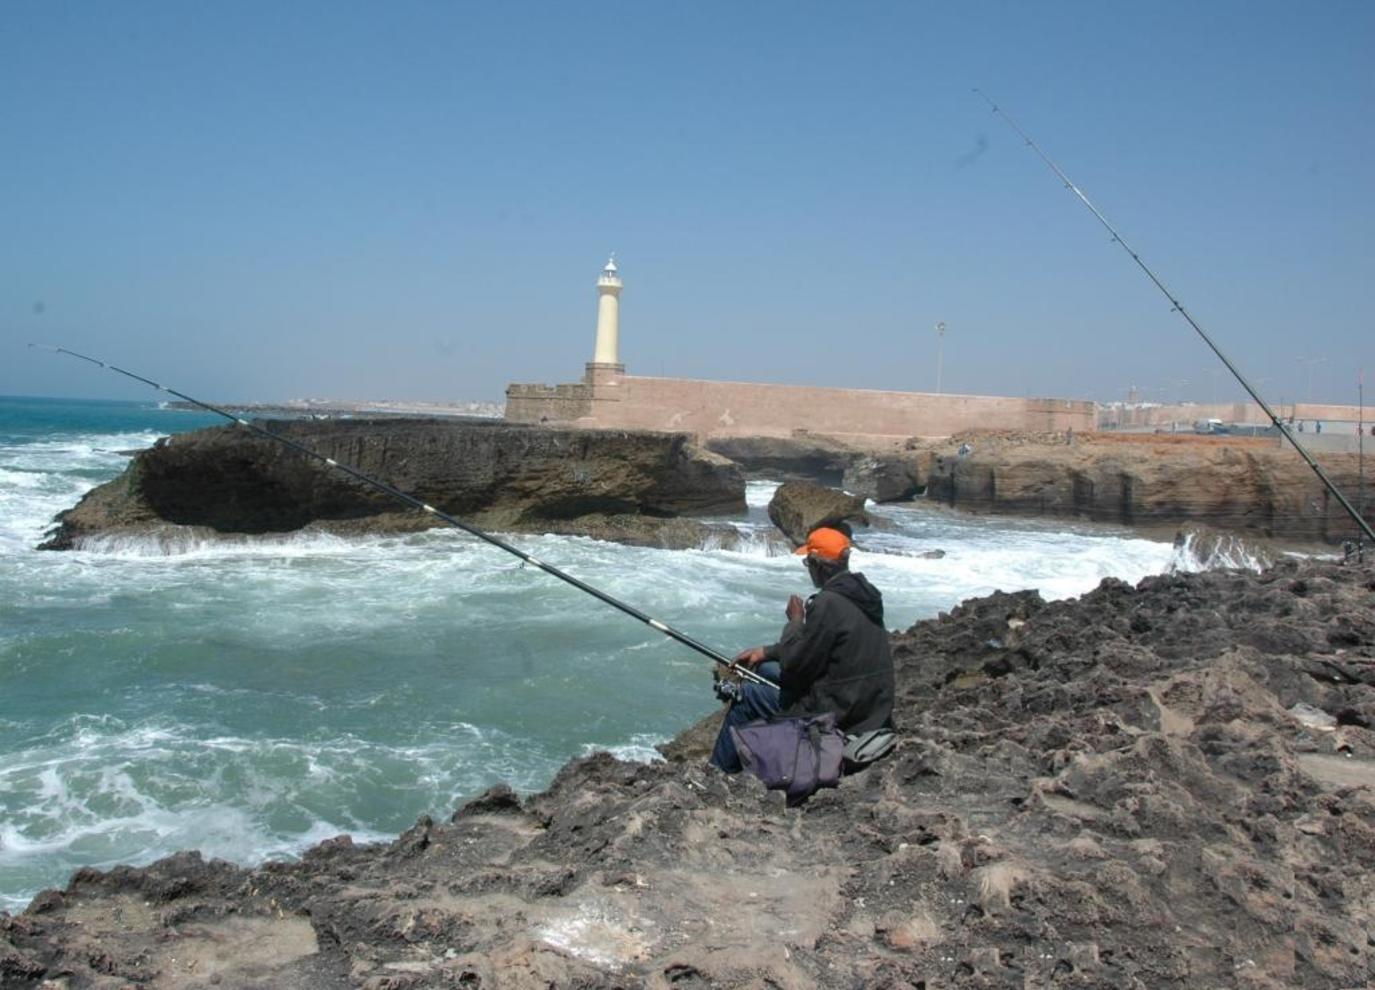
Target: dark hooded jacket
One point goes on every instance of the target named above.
(836, 659)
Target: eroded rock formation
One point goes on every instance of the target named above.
(879, 469)
(799, 458)
(798, 507)
(890, 478)
(1230, 483)
(226, 480)
(1163, 787)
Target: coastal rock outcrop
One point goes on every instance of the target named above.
(1158, 787)
(805, 457)
(798, 507)
(878, 469)
(885, 478)
(1230, 483)
(226, 480)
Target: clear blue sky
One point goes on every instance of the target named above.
(274, 200)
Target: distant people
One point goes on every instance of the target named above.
(1300, 426)
(1069, 436)
(965, 449)
(833, 655)
(1317, 426)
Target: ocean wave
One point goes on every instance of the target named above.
(22, 478)
(1223, 550)
(640, 748)
(98, 791)
(197, 544)
(41, 478)
(758, 494)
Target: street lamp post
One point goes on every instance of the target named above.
(940, 353)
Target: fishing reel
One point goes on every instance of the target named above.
(727, 687)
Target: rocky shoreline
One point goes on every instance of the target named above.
(651, 489)
(638, 487)
(1245, 485)
(1152, 482)
(1171, 785)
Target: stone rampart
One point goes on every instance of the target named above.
(548, 403)
(722, 409)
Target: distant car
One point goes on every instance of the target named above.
(1210, 426)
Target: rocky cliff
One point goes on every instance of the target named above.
(1166, 786)
(227, 480)
(1145, 480)
(1151, 480)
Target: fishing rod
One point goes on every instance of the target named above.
(1360, 457)
(416, 503)
(1178, 307)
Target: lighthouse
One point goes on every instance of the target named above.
(606, 356)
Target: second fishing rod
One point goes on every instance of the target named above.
(1357, 515)
(496, 541)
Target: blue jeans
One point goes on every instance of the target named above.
(756, 701)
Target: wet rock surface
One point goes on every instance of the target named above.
(885, 479)
(798, 507)
(1166, 786)
(226, 480)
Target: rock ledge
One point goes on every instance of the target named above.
(226, 480)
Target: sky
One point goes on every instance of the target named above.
(265, 201)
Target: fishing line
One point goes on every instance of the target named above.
(1178, 307)
(416, 503)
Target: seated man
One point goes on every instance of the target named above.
(833, 655)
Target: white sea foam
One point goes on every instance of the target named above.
(39, 480)
(99, 792)
(22, 479)
(758, 494)
(1223, 552)
(639, 749)
(197, 543)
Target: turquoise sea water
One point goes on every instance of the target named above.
(250, 697)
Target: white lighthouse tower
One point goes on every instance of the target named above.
(606, 358)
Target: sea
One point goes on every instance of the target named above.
(251, 697)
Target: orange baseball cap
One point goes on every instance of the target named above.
(826, 543)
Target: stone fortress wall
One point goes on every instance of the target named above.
(610, 399)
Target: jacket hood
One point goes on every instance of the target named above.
(857, 588)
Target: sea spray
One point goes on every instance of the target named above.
(1202, 548)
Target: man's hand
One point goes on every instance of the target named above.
(751, 657)
(795, 610)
